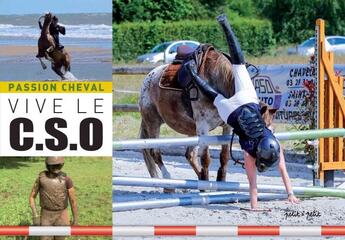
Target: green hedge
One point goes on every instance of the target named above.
(133, 39)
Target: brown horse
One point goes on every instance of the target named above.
(158, 106)
(46, 49)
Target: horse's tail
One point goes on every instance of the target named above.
(149, 154)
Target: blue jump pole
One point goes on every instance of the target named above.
(225, 186)
(198, 199)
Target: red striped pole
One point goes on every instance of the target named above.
(14, 230)
(175, 230)
(298, 231)
(333, 230)
(258, 230)
(56, 230)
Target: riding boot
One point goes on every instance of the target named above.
(235, 50)
(203, 85)
(57, 42)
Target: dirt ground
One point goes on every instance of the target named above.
(327, 211)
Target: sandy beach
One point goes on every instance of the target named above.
(20, 63)
(12, 51)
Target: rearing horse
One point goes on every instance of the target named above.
(46, 49)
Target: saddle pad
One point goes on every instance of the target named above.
(169, 77)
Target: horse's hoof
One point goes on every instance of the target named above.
(221, 175)
(169, 190)
(204, 175)
(44, 68)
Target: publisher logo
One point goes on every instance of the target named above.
(56, 118)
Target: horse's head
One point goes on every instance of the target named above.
(48, 17)
(217, 69)
(267, 114)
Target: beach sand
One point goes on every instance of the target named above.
(20, 63)
(11, 51)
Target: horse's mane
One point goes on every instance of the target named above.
(218, 71)
(47, 20)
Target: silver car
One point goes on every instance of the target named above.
(333, 43)
(165, 52)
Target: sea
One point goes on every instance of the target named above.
(82, 29)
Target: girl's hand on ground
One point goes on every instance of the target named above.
(293, 199)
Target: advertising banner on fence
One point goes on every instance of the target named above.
(285, 87)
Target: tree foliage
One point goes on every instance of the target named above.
(133, 39)
(294, 20)
(244, 8)
(151, 10)
(168, 10)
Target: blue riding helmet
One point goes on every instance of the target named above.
(267, 153)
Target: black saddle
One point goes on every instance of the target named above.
(183, 52)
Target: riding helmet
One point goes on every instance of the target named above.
(267, 154)
(54, 160)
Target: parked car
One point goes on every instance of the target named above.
(333, 43)
(165, 52)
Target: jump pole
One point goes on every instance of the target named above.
(225, 186)
(171, 230)
(56, 230)
(197, 199)
(221, 139)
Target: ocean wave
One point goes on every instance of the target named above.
(86, 31)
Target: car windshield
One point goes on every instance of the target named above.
(160, 47)
(308, 43)
(333, 41)
(336, 40)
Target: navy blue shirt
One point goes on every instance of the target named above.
(248, 144)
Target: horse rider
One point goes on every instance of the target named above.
(55, 29)
(55, 189)
(242, 111)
